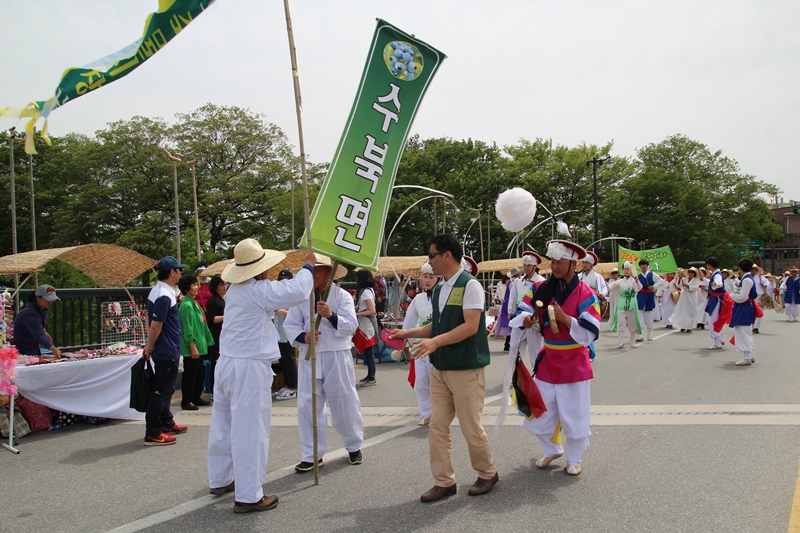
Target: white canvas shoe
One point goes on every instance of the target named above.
(574, 470)
(547, 459)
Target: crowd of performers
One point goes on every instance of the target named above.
(556, 320)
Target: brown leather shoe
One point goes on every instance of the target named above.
(482, 486)
(437, 493)
(266, 503)
(222, 490)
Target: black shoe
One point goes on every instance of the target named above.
(669, 327)
(755, 330)
(189, 406)
(363, 380)
(201, 402)
(355, 457)
(306, 466)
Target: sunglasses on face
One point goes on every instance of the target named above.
(432, 255)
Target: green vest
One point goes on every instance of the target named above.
(472, 352)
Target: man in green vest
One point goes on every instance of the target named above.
(458, 347)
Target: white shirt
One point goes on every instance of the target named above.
(366, 294)
(596, 282)
(330, 339)
(248, 331)
(473, 293)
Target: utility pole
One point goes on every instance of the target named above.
(191, 164)
(175, 160)
(33, 215)
(11, 137)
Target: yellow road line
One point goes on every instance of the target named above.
(794, 516)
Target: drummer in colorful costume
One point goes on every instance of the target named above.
(563, 371)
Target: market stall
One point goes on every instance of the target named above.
(89, 383)
(98, 386)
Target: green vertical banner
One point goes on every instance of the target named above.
(350, 213)
(661, 259)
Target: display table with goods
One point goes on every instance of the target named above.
(92, 383)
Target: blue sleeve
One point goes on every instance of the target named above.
(334, 320)
(301, 339)
(160, 309)
(32, 323)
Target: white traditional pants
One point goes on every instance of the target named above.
(792, 312)
(336, 383)
(422, 385)
(238, 439)
(519, 342)
(626, 319)
(743, 338)
(646, 319)
(571, 404)
(716, 337)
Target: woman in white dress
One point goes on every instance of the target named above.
(626, 315)
(686, 312)
(665, 297)
(702, 298)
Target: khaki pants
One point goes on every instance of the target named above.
(458, 392)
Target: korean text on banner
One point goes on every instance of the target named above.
(350, 213)
(661, 259)
(159, 28)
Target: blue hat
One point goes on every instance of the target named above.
(168, 263)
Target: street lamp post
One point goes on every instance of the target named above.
(596, 162)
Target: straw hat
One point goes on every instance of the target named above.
(794, 269)
(696, 272)
(325, 261)
(250, 260)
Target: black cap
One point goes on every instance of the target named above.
(285, 274)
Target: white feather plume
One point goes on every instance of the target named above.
(515, 209)
(562, 228)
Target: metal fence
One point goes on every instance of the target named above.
(76, 320)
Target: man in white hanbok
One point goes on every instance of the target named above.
(238, 439)
(518, 288)
(336, 378)
(418, 315)
(761, 284)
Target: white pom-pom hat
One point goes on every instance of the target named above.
(469, 265)
(515, 209)
(426, 268)
(561, 249)
(591, 257)
(531, 258)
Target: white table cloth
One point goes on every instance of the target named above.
(93, 387)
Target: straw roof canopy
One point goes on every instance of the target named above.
(409, 266)
(108, 265)
(293, 259)
(504, 265)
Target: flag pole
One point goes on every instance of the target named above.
(312, 346)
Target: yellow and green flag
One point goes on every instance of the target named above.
(350, 213)
(159, 28)
(661, 259)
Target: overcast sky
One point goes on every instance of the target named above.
(725, 73)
